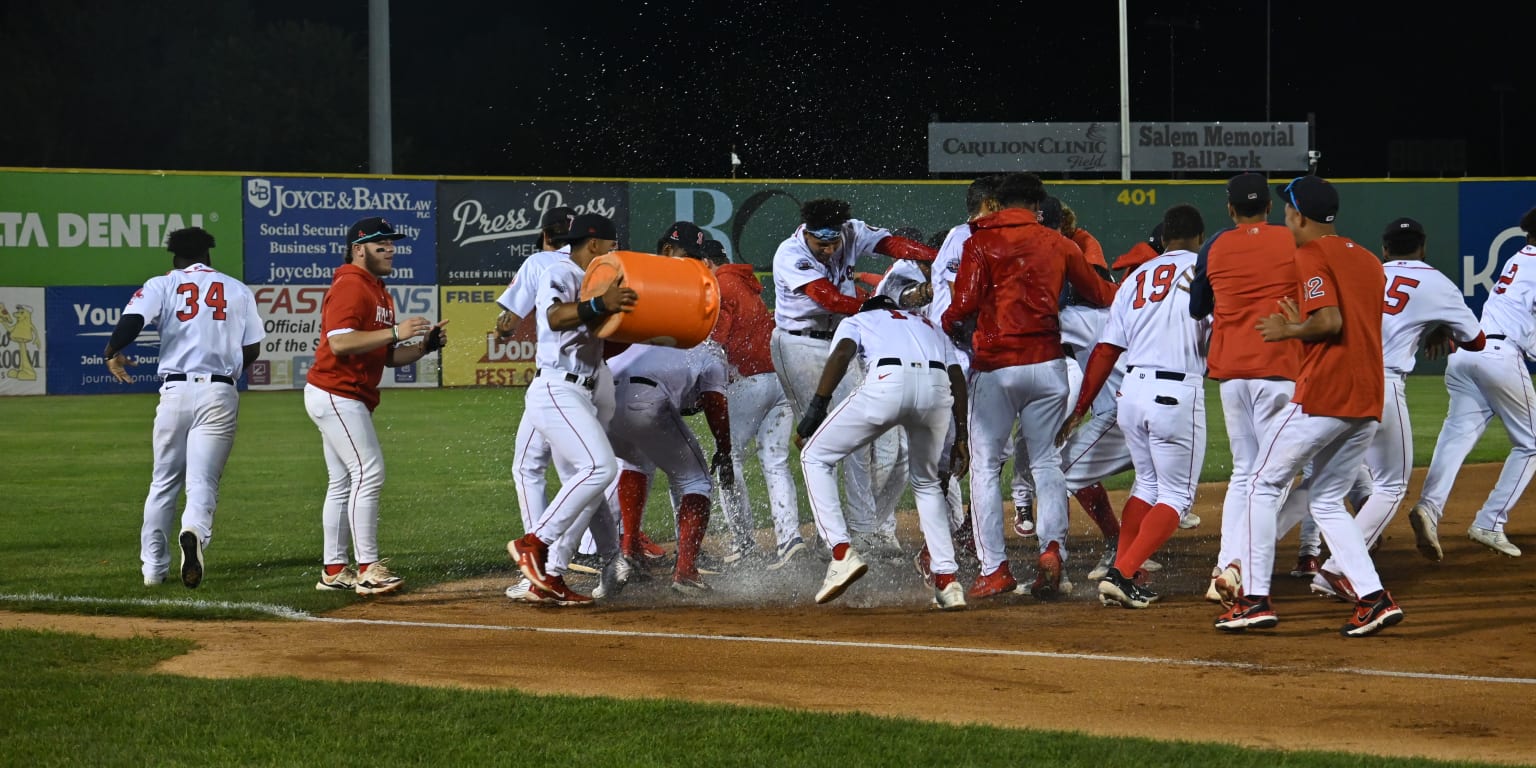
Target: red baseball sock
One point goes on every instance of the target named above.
(1157, 527)
(692, 522)
(840, 551)
(1095, 501)
(335, 568)
(634, 487)
(1130, 528)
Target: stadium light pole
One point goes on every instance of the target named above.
(1125, 96)
(381, 138)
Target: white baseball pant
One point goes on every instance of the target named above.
(1249, 407)
(566, 415)
(1336, 447)
(1164, 423)
(355, 465)
(1482, 385)
(917, 400)
(798, 362)
(1022, 484)
(760, 413)
(1388, 460)
(1035, 397)
(1297, 506)
(1098, 449)
(193, 434)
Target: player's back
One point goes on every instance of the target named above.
(1250, 268)
(204, 317)
(899, 334)
(1150, 317)
(1337, 374)
(1508, 312)
(1418, 296)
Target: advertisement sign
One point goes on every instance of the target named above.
(1095, 147)
(109, 228)
(80, 321)
(487, 228)
(1490, 233)
(23, 326)
(295, 228)
(477, 358)
(291, 316)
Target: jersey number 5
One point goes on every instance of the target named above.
(1162, 282)
(214, 300)
(1397, 297)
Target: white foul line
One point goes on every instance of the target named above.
(298, 615)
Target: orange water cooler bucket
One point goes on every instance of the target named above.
(679, 299)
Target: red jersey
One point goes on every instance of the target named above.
(1012, 270)
(1250, 268)
(357, 301)
(1339, 376)
(1138, 255)
(746, 324)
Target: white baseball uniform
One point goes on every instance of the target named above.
(907, 385)
(1162, 397)
(802, 341)
(1492, 382)
(530, 454)
(562, 403)
(205, 318)
(648, 431)
(942, 278)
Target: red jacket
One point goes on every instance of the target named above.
(746, 324)
(1011, 275)
(358, 301)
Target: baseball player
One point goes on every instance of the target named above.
(648, 431)
(1242, 272)
(759, 411)
(1010, 280)
(358, 338)
(563, 403)
(913, 381)
(980, 200)
(1418, 298)
(530, 454)
(813, 289)
(210, 331)
(1161, 399)
(1332, 417)
(1483, 383)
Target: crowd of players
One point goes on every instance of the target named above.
(999, 342)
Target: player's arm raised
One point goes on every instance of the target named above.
(966, 293)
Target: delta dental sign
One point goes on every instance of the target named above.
(1095, 147)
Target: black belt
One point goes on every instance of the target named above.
(217, 378)
(934, 364)
(587, 382)
(643, 380)
(1166, 375)
(1497, 336)
(823, 335)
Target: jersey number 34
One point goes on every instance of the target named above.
(214, 300)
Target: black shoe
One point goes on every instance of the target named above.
(1116, 589)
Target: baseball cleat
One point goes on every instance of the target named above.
(691, 587)
(1248, 613)
(344, 580)
(191, 558)
(840, 575)
(1106, 562)
(1188, 521)
(787, 552)
(1426, 533)
(1494, 540)
(1050, 577)
(998, 582)
(1335, 585)
(377, 579)
(1229, 584)
(950, 598)
(561, 595)
(1306, 567)
(924, 565)
(1024, 521)
(523, 592)
(530, 554)
(1116, 589)
(1373, 615)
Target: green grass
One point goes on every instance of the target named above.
(75, 700)
(78, 468)
(74, 483)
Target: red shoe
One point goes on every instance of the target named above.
(1306, 567)
(924, 565)
(992, 584)
(1373, 615)
(649, 550)
(557, 593)
(1050, 580)
(1248, 613)
(531, 554)
(1335, 585)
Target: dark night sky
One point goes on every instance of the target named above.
(804, 90)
